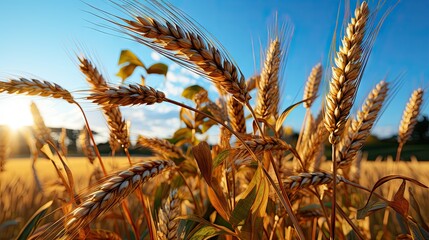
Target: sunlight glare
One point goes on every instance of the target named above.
(15, 113)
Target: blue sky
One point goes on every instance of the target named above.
(40, 38)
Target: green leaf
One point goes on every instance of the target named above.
(415, 230)
(126, 71)
(31, 225)
(369, 208)
(158, 68)
(220, 158)
(206, 232)
(182, 133)
(129, 57)
(285, 113)
(190, 91)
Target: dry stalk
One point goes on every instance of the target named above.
(167, 222)
(409, 119)
(35, 87)
(361, 125)
(162, 147)
(268, 87)
(62, 141)
(127, 95)
(112, 191)
(312, 85)
(236, 115)
(346, 75)
(188, 47)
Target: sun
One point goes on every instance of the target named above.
(15, 112)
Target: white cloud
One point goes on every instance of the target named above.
(155, 56)
(180, 78)
(384, 131)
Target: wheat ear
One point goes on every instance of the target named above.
(127, 95)
(161, 147)
(236, 115)
(268, 87)
(36, 88)
(41, 132)
(345, 75)
(361, 125)
(312, 85)
(306, 180)
(117, 125)
(259, 145)
(409, 119)
(167, 217)
(187, 47)
(86, 146)
(112, 191)
(312, 145)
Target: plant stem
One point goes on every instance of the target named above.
(334, 191)
(92, 139)
(398, 152)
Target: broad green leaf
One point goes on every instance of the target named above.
(31, 225)
(285, 113)
(129, 57)
(220, 158)
(243, 208)
(370, 208)
(190, 91)
(158, 68)
(126, 71)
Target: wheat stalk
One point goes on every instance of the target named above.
(167, 222)
(345, 76)
(236, 115)
(268, 87)
(86, 146)
(127, 95)
(62, 141)
(188, 47)
(259, 145)
(306, 180)
(36, 88)
(409, 119)
(312, 85)
(161, 147)
(112, 191)
(117, 125)
(361, 125)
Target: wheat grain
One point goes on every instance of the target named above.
(36, 88)
(112, 191)
(409, 117)
(236, 115)
(167, 222)
(99, 234)
(86, 146)
(127, 95)
(361, 125)
(345, 76)
(161, 147)
(312, 85)
(305, 180)
(268, 87)
(117, 125)
(259, 145)
(188, 47)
